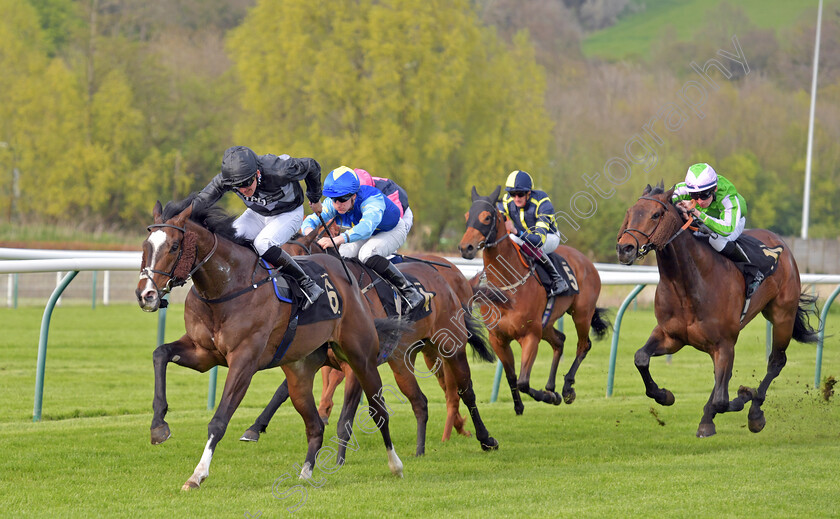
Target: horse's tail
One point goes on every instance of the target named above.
(601, 324)
(802, 329)
(390, 331)
(477, 337)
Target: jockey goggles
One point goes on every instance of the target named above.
(703, 195)
(518, 194)
(244, 183)
(342, 199)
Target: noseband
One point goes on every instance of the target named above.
(181, 272)
(643, 249)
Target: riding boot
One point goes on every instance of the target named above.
(752, 275)
(281, 259)
(389, 272)
(558, 284)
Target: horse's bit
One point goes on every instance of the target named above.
(642, 250)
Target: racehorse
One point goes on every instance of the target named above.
(517, 302)
(699, 301)
(234, 319)
(440, 336)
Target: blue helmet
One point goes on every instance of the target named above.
(519, 181)
(340, 182)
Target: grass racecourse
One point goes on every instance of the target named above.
(623, 456)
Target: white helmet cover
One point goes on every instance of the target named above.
(700, 177)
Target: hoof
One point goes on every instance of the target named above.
(705, 430)
(490, 444)
(325, 419)
(519, 408)
(250, 436)
(757, 424)
(746, 393)
(160, 434)
(570, 396)
(666, 398)
(190, 485)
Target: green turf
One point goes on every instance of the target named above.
(634, 34)
(599, 457)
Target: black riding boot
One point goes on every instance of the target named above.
(753, 276)
(389, 272)
(558, 284)
(281, 259)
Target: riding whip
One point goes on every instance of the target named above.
(327, 229)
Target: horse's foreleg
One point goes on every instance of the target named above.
(184, 353)
(259, 426)
(584, 344)
(236, 384)
(530, 346)
(657, 344)
(718, 402)
(344, 428)
(458, 372)
(332, 378)
(419, 403)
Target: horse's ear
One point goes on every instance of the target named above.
(494, 196)
(156, 211)
(474, 194)
(467, 216)
(669, 193)
(661, 184)
(647, 190)
(184, 216)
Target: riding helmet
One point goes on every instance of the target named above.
(700, 177)
(519, 181)
(238, 164)
(340, 182)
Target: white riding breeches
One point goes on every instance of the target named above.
(268, 231)
(718, 242)
(383, 244)
(552, 241)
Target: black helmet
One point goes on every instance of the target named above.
(238, 165)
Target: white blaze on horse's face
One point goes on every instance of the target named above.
(157, 240)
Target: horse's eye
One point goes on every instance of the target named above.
(174, 247)
(655, 216)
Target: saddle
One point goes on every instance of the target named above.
(563, 269)
(389, 296)
(328, 306)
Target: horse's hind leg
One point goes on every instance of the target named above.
(300, 376)
(557, 340)
(530, 344)
(184, 353)
(252, 434)
(723, 357)
(582, 324)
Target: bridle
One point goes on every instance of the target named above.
(181, 271)
(643, 249)
(483, 244)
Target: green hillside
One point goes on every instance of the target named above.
(634, 34)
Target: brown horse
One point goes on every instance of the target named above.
(699, 301)
(233, 319)
(440, 336)
(517, 302)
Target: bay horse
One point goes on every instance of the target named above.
(517, 301)
(234, 319)
(440, 336)
(699, 301)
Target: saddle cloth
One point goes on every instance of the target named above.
(328, 306)
(565, 271)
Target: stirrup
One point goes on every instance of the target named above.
(558, 288)
(310, 298)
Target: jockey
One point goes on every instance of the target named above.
(530, 219)
(716, 203)
(269, 186)
(375, 228)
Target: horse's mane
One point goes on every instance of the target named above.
(214, 219)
